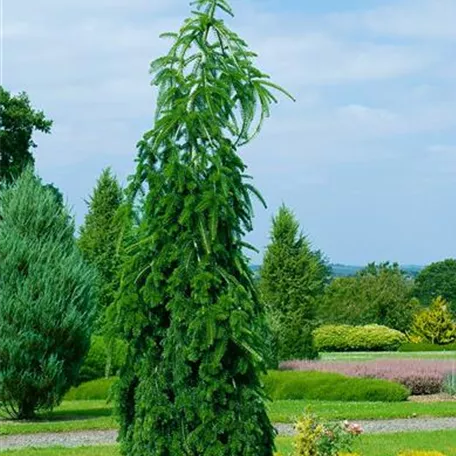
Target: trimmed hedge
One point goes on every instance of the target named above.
(426, 347)
(285, 385)
(345, 338)
(289, 385)
(95, 390)
(94, 365)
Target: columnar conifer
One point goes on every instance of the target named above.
(293, 278)
(188, 304)
(100, 236)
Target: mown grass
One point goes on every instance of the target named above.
(97, 415)
(368, 356)
(289, 411)
(367, 445)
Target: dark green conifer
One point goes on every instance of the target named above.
(188, 305)
(99, 239)
(293, 278)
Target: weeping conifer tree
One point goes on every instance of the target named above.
(189, 308)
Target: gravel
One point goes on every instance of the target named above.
(92, 438)
(64, 439)
(391, 426)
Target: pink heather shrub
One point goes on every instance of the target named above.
(420, 376)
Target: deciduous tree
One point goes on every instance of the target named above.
(437, 279)
(18, 122)
(380, 294)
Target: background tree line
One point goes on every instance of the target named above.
(301, 293)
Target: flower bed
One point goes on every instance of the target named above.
(420, 376)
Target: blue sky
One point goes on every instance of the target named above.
(366, 157)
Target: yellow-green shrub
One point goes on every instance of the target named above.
(435, 324)
(340, 338)
(315, 437)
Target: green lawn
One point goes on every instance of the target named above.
(366, 356)
(288, 411)
(70, 416)
(368, 445)
(96, 415)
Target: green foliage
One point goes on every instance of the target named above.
(435, 324)
(95, 362)
(46, 299)
(449, 384)
(95, 390)
(18, 122)
(100, 236)
(426, 347)
(379, 294)
(437, 279)
(293, 277)
(345, 338)
(188, 306)
(325, 386)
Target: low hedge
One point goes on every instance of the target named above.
(345, 338)
(293, 385)
(95, 390)
(287, 385)
(426, 347)
(94, 365)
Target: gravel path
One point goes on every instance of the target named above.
(64, 439)
(91, 438)
(386, 426)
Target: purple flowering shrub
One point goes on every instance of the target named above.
(420, 376)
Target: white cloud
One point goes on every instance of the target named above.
(416, 19)
(309, 59)
(367, 84)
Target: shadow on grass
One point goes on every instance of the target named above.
(65, 415)
(74, 415)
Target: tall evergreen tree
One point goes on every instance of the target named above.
(100, 236)
(18, 122)
(293, 278)
(46, 299)
(189, 308)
